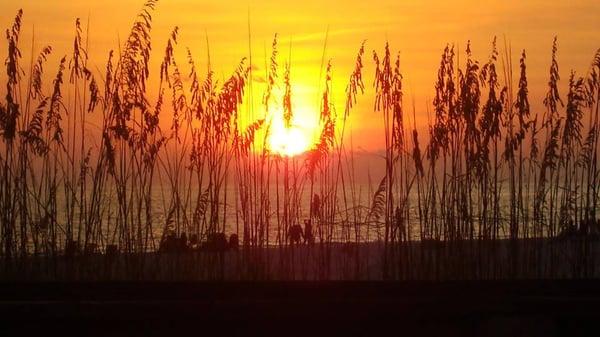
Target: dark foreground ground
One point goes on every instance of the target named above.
(541, 258)
(488, 308)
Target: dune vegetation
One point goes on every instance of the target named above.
(495, 190)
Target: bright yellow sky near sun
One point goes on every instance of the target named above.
(419, 30)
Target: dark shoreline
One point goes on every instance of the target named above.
(456, 308)
(523, 259)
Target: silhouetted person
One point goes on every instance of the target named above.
(595, 228)
(72, 248)
(584, 228)
(193, 241)
(111, 251)
(246, 237)
(216, 242)
(399, 219)
(169, 243)
(90, 249)
(316, 206)
(183, 243)
(234, 242)
(308, 232)
(295, 234)
(570, 231)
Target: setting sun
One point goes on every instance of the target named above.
(293, 140)
(288, 141)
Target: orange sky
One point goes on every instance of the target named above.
(418, 29)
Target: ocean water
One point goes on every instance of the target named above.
(231, 215)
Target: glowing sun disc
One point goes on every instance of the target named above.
(288, 141)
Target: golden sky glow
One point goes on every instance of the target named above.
(419, 30)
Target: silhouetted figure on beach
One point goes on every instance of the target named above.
(112, 251)
(72, 248)
(246, 237)
(183, 243)
(399, 222)
(216, 242)
(169, 243)
(295, 234)
(595, 230)
(316, 206)
(234, 242)
(308, 232)
(193, 244)
(90, 249)
(588, 228)
(570, 230)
